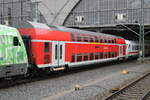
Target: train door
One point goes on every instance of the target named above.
(121, 50)
(61, 53)
(58, 50)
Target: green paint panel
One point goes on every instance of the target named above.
(9, 53)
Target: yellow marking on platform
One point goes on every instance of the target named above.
(77, 87)
(124, 72)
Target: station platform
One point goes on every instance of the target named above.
(102, 87)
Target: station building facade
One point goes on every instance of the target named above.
(110, 16)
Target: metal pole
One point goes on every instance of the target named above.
(3, 13)
(1, 18)
(141, 35)
(21, 10)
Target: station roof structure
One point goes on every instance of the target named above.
(56, 11)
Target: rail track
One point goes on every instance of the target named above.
(136, 90)
(18, 81)
(147, 96)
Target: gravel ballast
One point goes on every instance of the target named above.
(93, 82)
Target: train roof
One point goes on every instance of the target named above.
(6, 30)
(78, 31)
(131, 42)
(29, 24)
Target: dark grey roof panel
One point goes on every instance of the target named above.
(28, 24)
(78, 31)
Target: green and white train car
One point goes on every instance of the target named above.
(13, 56)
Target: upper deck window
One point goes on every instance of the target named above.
(79, 38)
(85, 39)
(105, 40)
(96, 39)
(101, 39)
(91, 39)
(115, 41)
(109, 40)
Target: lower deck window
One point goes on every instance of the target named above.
(85, 56)
(113, 54)
(96, 56)
(91, 56)
(73, 58)
(101, 55)
(79, 57)
(109, 54)
(105, 55)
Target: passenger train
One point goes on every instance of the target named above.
(54, 48)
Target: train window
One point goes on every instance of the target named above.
(79, 57)
(85, 56)
(60, 51)
(113, 54)
(101, 55)
(109, 54)
(101, 40)
(105, 55)
(85, 39)
(73, 58)
(91, 39)
(72, 37)
(109, 41)
(79, 38)
(129, 46)
(96, 56)
(46, 47)
(137, 47)
(132, 47)
(56, 51)
(96, 39)
(16, 41)
(91, 56)
(105, 40)
(113, 41)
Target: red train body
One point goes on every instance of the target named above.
(58, 47)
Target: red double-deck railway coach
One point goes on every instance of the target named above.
(60, 47)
